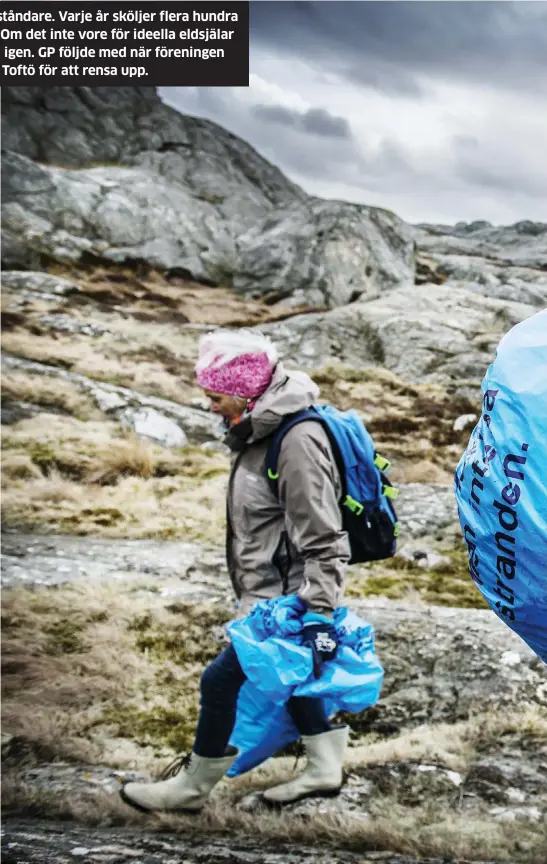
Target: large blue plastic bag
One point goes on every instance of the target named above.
(501, 484)
(278, 667)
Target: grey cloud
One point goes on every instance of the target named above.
(504, 169)
(470, 177)
(311, 143)
(392, 46)
(314, 121)
(321, 122)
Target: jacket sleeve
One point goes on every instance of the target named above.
(309, 490)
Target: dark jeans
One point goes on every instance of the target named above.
(220, 686)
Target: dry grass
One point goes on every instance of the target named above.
(134, 508)
(106, 359)
(68, 476)
(451, 745)
(48, 392)
(107, 674)
(143, 292)
(18, 466)
(133, 458)
(84, 663)
(411, 424)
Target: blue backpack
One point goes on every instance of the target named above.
(368, 514)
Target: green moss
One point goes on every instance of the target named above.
(42, 455)
(65, 636)
(378, 586)
(210, 197)
(98, 617)
(189, 640)
(447, 584)
(141, 623)
(105, 516)
(156, 726)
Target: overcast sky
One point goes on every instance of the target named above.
(436, 110)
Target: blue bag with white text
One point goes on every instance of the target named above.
(277, 667)
(501, 485)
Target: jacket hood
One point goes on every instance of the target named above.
(288, 392)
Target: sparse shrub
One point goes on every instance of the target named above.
(18, 466)
(131, 458)
(65, 636)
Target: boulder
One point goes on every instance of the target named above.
(112, 215)
(523, 244)
(82, 126)
(425, 509)
(114, 175)
(326, 253)
(422, 333)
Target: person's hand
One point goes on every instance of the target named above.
(319, 635)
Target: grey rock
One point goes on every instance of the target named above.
(425, 509)
(180, 193)
(499, 262)
(68, 324)
(464, 421)
(492, 279)
(175, 568)
(149, 423)
(41, 283)
(163, 187)
(13, 411)
(79, 126)
(423, 333)
(336, 251)
(159, 417)
(415, 783)
(442, 664)
(327, 253)
(523, 244)
(111, 214)
(42, 842)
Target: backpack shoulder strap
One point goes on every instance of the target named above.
(276, 440)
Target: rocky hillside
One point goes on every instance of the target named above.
(127, 231)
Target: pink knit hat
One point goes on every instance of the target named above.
(237, 363)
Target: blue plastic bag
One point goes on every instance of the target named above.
(277, 666)
(501, 485)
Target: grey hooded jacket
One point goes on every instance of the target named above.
(294, 544)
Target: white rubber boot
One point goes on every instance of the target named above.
(322, 776)
(188, 787)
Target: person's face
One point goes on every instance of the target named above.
(229, 407)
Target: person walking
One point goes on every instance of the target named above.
(290, 545)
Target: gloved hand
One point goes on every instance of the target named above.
(319, 635)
